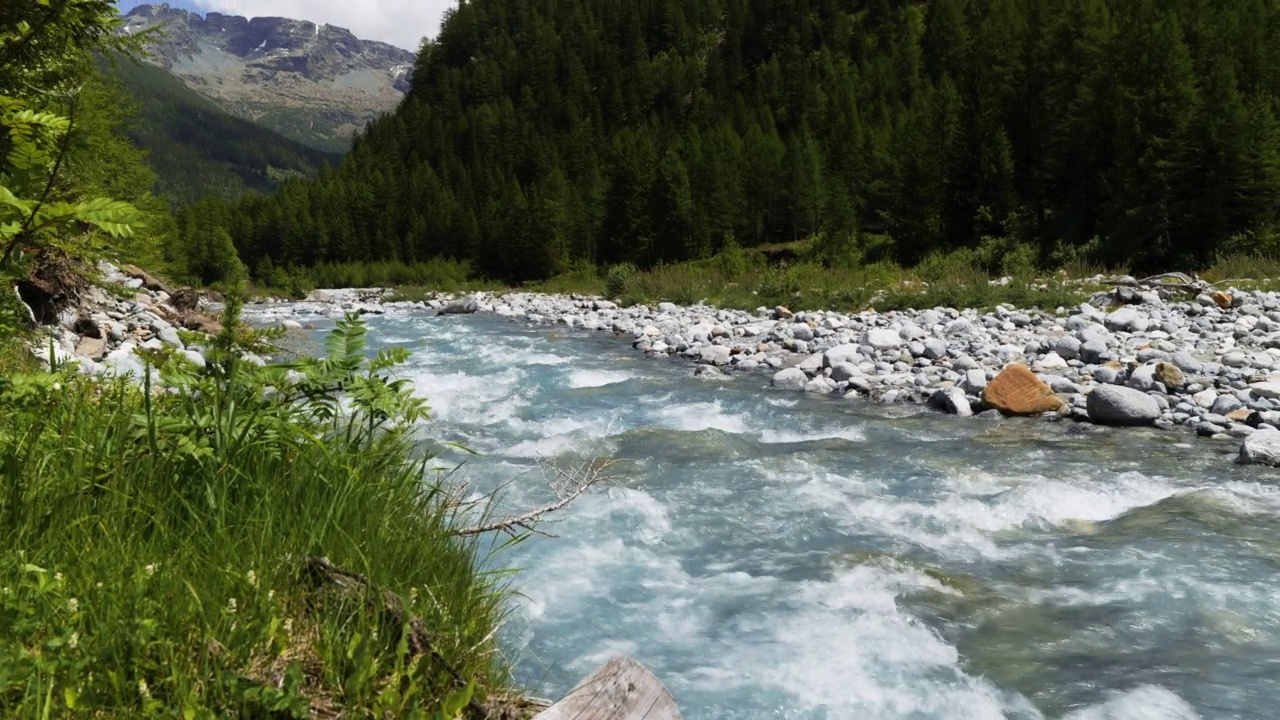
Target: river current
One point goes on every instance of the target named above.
(774, 555)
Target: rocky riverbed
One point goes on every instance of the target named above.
(1210, 364)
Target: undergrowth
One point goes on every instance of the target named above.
(814, 278)
(161, 545)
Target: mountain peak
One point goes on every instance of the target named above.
(319, 80)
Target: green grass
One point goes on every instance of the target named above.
(1252, 271)
(742, 279)
(160, 548)
(745, 279)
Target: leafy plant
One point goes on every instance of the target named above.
(30, 225)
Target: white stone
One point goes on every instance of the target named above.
(1205, 398)
(1268, 390)
(1052, 361)
(882, 339)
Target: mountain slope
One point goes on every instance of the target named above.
(317, 84)
(539, 133)
(197, 149)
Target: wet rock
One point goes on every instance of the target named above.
(844, 372)
(709, 372)
(820, 385)
(1261, 448)
(1116, 405)
(859, 385)
(1017, 391)
(715, 355)
(461, 306)
(790, 379)
(951, 400)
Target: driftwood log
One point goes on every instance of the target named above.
(1173, 281)
(622, 689)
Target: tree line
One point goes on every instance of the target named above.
(541, 133)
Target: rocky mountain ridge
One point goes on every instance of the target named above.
(315, 83)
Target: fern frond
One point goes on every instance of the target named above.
(52, 122)
(111, 216)
(8, 199)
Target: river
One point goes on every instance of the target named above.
(774, 555)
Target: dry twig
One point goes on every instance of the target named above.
(567, 484)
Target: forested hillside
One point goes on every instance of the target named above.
(197, 149)
(540, 132)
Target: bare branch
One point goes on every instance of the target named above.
(568, 485)
(1175, 281)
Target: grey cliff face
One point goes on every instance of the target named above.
(323, 78)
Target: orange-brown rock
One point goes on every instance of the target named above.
(1239, 415)
(1170, 375)
(1223, 300)
(1017, 391)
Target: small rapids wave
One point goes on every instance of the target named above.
(579, 379)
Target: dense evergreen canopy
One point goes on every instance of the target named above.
(540, 132)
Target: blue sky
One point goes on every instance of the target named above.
(399, 22)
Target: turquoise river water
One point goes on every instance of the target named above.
(771, 555)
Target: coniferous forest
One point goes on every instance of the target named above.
(540, 133)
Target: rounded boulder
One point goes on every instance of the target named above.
(1118, 405)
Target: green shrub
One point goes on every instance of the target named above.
(617, 279)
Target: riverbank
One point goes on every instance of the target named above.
(193, 531)
(1209, 363)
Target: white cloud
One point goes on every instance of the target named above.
(400, 22)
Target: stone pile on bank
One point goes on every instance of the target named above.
(105, 333)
